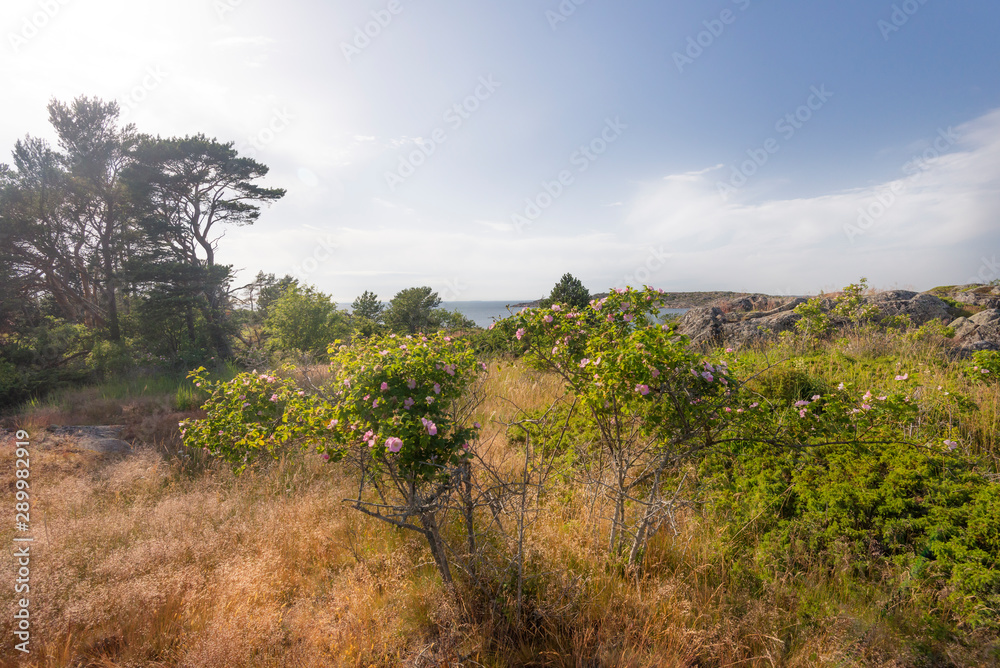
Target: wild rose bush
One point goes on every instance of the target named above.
(399, 398)
(396, 410)
(622, 363)
(257, 415)
(845, 474)
(400, 405)
(651, 398)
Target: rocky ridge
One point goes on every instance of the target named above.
(972, 310)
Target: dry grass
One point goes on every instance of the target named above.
(160, 560)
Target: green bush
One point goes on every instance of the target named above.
(920, 515)
(108, 359)
(984, 366)
(785, 386)
(305, 320)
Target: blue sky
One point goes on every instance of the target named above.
(784, 147)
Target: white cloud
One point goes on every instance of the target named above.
(676, 233)
(930, 226)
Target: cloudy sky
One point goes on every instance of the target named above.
(486, 148)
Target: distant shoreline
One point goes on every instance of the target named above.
(676, 299)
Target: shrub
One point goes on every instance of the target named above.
(648, 395)
(984, 366)
(305, 320)
(394, 409)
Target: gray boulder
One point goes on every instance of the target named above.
(920, 307)
(102, 439)
(977, 332)
(989, 317)
(976, 295)
(749, 330)
(703, 325)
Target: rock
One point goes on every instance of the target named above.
(920, 307)
(753, 329)
(739, 322)
(96, 439)
(702, 325)
(977, 332)
(987, 317)
(748, 303)
(967, 349)
(787, 306)
(894, 296)
(983, 296)
(963, 327)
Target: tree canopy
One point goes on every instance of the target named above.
(569, 290)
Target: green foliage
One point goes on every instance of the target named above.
(897, 322)
(43, 356)
(255, 416)
(270, 290)
(919, 513)
(785, 386)
(869, 476)
(852, 306)
(368, 306)
(569, 291)
(14, 386)
(616, 357)
(453, 321)
(498, 339)
(649, 396)
(814, 321)
(397, 397)
(412, 311)
(984, 366)
(935, 329)
(109, 359)
(305, 320)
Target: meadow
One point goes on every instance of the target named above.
(875, 550)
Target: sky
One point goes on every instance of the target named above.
(487, 148)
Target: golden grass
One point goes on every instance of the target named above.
(160, 560)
